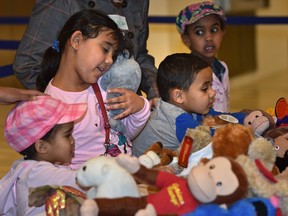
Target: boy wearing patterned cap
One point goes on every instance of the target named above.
(40, 130)
(202, 27)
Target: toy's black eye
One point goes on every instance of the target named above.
(84, 168)
(212, 166)
(277, 147)
(218, 184)
(249, 123)
(256, 116)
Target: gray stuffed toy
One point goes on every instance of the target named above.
(124, 73)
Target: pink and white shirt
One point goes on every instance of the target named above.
(89, 133)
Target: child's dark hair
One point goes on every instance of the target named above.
(178, 71)
(90, 22)
(30, 153)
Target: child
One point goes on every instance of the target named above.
(10, 95)
(202, 28)
(186, 96)
(84, 51)
(40, 130)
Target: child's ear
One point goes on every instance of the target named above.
(186, 40)
(41, 146)
(177, 95)
(76, 37)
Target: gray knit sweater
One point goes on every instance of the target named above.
(160, 127)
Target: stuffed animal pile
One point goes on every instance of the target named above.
(220, 180)
(246, 174)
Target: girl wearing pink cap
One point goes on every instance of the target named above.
(40, 130)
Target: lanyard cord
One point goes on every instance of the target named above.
(104, 113)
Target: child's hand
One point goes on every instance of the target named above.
(128, 100)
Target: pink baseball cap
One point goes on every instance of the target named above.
(29, 121)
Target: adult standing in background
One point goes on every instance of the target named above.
(48, 17)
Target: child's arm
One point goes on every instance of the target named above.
(183, 122)
(137, 113)
(10, 95)
(45, 173)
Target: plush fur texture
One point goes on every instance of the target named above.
(156, 156)
(201, 138)
(231, 140)
(246, 151)
(106, 178)
(124, 73)
(201, 185)
(261, 186)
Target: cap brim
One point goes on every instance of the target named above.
(73, 112)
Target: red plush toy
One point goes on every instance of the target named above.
(220, 180)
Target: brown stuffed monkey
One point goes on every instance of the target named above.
(220, 180)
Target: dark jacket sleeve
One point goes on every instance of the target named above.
(45, 23)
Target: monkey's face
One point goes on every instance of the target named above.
(212, 179)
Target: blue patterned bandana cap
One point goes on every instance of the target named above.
(194, 12)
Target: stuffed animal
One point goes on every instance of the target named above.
(259, 121)
(219, 120)
(258, 160)
(124, 73)
(58, 200)
(220, 180)
(262, 183)
(256, 206)
(281, 108)
(201, 138)
(156, 156)
(231, 140)
(279, 139)
(106, 179)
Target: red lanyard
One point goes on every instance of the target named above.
(104, 113)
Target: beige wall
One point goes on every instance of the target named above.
(271, 40)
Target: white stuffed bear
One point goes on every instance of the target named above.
(106, 178)
(124, 73)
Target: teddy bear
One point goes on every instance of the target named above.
(257, 157)
(156, 156)
(235, 139)
(231, 140)
(124, 73)
(220, 180)
(262, 183)
(106, 179)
